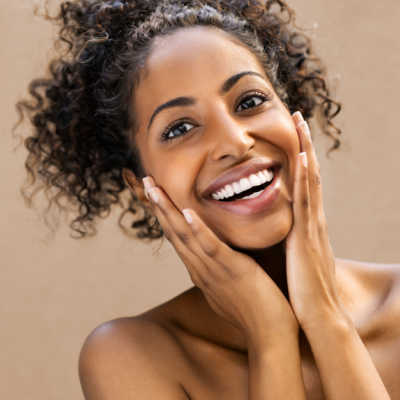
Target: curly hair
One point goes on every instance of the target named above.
(82, 122)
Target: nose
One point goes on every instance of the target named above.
(231, 139)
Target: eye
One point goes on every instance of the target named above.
(176, 130)
(252, 101)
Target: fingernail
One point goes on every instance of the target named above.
(153, 194)
(147, 185)
(303, 157)
(188, 217)
(306, 129)
(298, 117)
(147, 182)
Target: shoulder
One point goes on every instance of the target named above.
(377, 286)
(127, 358)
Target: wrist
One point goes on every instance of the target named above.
(281, 340)
(337, 322)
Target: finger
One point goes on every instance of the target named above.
(181, 235)
(314, 170)
(231, 263)
(192, 262)
(219, 261)
(301, 205)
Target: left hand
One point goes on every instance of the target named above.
(310, 262)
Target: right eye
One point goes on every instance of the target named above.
(176, 130)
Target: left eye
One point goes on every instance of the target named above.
(251, 101)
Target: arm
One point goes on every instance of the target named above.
(275, 370)
(343, 362)
(345, 367)
(119, 362)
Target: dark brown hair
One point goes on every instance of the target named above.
(81, 116)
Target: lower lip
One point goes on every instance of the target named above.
(258, 204)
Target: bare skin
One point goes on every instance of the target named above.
(198, 352)
(250, 326)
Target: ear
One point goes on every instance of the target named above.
(134, 185)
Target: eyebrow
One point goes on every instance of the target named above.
(188, 101)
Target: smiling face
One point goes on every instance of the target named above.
(221, 125)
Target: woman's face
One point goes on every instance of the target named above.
(225, 125)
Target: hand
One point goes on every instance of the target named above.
(310, 262)
(234, 285)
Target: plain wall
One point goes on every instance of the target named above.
(54, 292)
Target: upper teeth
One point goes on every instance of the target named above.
(243, 184)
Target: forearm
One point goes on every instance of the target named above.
(275, 371)
(344, 364)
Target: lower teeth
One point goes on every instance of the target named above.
(252, 195)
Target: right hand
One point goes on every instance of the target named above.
(234, 285)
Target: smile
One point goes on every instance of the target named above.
(245, 186)
(256, 199)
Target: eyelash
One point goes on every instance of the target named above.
(164, 135)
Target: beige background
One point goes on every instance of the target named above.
(54, 292)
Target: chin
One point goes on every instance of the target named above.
(259, 236)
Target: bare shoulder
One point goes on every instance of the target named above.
(381, 284)
(375, 277)
(128, 358)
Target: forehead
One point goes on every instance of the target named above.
(191, 62)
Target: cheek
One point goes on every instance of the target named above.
(176, 179)
(285, 137)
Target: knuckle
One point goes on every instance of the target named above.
(211, 249)
(317, 178)
(234, 276)
(304, 203)
(183, 237)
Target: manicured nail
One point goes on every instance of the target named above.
(303, 157)
(298, 117)
(306, 129)
(188, 217)
(153, 194)
(147, 185)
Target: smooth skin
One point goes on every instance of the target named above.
(273, 313)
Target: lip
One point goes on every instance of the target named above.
(256, 205)
(242, 171)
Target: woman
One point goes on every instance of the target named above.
(191, 105)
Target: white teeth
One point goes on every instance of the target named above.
(255, 180)
(236, 187)
(230, 191)
(250, 196)
(261, 176)
(244, 184)
(215, 196)
(268, 174)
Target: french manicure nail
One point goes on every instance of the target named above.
(188, 217)
(298, 117)
(303, 157)
(147, 185)
(147, 182)
(153, 194)
(306, 129)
